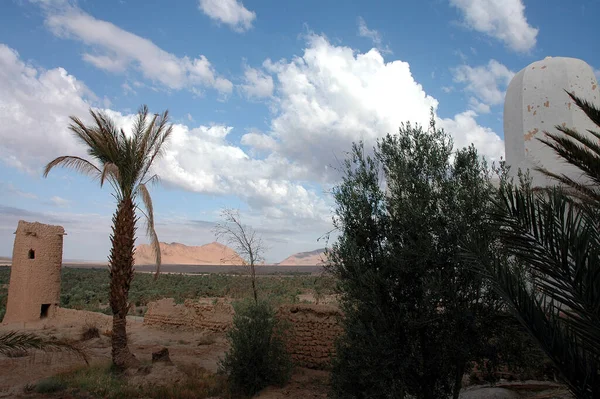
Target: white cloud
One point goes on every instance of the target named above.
(478, 106)
(230, 12)
(259, 141)
(117, 50)
(257, 84)
(59, 201)
(110, 64)
(12, 190)
(374, 35)
(504, 20)
(465, 130)
(597, 73)
(34, 109)
(331, 96)
(364, 31)
(486, 82)
(324, 100)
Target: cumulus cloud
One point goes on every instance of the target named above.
(257, 84)
(486, 82)
(34, 109)
(325, 99)
(503, 20)
(332, 95)
(229, 12)
(466, 131)
(34, 112)
(116, 50)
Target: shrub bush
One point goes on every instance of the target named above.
(50, 385)
(90, 332)
(257, 356)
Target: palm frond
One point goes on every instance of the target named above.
(545, 324)
(14, 340)
(150, 231)
(79, 164)
(559, 244)
(157, 141)
(111, 172)
(591, 110)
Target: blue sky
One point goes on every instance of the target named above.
(265, 96)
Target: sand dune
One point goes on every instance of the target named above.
(180, 254)
(311, 258)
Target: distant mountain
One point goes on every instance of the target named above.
(311, 258)
(179, 254)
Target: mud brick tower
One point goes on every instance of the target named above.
(34, 290)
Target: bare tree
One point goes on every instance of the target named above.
(243, 239)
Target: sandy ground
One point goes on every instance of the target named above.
(203, 349)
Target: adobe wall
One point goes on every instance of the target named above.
(203, 314)
(84, 317)
(311, 338)
(35, 272)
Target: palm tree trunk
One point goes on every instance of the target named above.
(121, 275)
(458, 376)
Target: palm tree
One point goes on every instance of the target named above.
(554, 234)
(124, 161)
(18, 341)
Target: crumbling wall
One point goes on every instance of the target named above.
(34, 289)
(313, 330)
(202, 314)
(86, 318)
(309, 338)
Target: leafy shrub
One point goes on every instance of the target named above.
(90, 332)
(257, 356)
(50, 385)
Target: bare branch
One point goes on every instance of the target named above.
(243, 239)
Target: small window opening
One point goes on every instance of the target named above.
(44, 310)
(31, 254)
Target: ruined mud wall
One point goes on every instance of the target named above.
(34, 290)
(203, 314)
(83, 317)
(312, 333)
(309, 339)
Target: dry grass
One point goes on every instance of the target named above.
(102, 381)
(90, 332)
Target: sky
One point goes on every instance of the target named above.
(266, 98)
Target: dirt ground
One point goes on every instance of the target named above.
(199, 348)
(185, 347)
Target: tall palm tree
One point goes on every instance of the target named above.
(124, 161)
(554, 234)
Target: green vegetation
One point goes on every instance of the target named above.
(16, 344)
(103, 382)
(417, 315)
(257, 356)
(125, 162)
(87, 289)
(554, 233)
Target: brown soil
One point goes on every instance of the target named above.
(185, 348)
